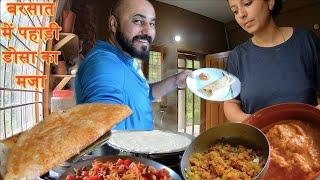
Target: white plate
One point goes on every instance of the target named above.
(195, 84)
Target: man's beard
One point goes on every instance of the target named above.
(128, 47)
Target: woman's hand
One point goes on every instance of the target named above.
(318, 107)
(246, 116)
(233, 111)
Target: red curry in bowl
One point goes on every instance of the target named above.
(293, 131)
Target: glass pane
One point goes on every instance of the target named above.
(15, 121)
(196, 64)
(22, 97)
(19, 118)
(33, 112)
(36, 21)
(15, 71)
(197, 112)
(7, 120)
(181, 110)
(43, 47)
(30, 120)
(189, 106)
(5, 17)
(30, 97)
(7, 98)
(4, 41)
(154, 67)
(2, 74)
(2, 129)
(23, 118)
(1, 99)
(189, 64)
(8, 76)
(15, 98)
(181, 63)
(19, 46)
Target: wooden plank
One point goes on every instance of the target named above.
(37, 113)
(215, 109)
(203, 116)
(62, 83)
(208, 113)
(220, 114)
(64, 39)
(193, 114)
(62, 76)
(46, 96)
(214, 114)
(218, 55)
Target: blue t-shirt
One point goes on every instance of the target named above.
(107, 75)
(289, 72)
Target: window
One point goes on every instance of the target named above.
(20, 109)
(153, 69)
(188, 104)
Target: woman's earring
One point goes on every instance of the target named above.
(270, 7)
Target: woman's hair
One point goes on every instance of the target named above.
(276, 8)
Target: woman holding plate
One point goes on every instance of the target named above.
(277, 65)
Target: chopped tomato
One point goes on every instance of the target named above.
(127, 162)
(122, 168)
(94, 178)
(70, 177)
(120, 161)
(163, 173)
(84, 173)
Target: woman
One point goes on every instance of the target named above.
(277, 65)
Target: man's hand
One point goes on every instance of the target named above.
(181, 78)
(169, 84)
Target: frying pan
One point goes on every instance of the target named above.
(180, 150)
(148, 162)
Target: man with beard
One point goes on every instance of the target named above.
(110, 73)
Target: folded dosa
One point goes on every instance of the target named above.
(5, 147)
(11, 141)
(61, 136)
(217, 85)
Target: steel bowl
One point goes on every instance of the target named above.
(88, 163)
(233, 133)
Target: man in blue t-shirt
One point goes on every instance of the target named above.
(110, 73)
